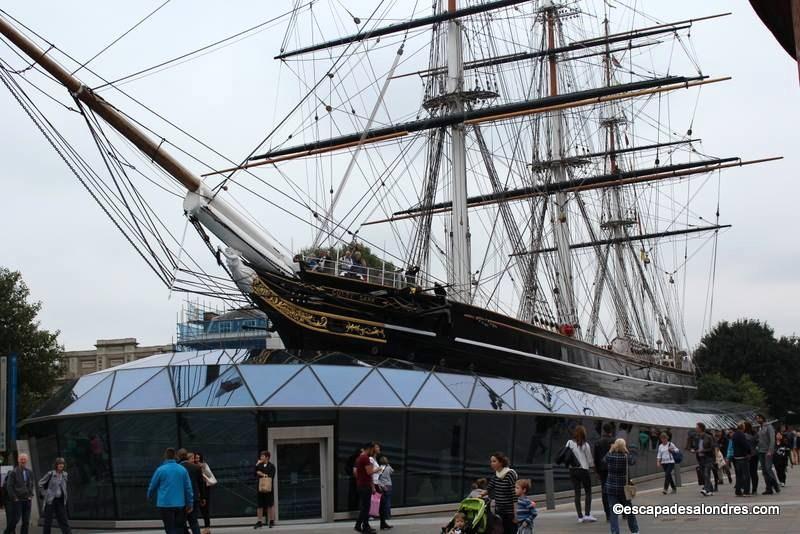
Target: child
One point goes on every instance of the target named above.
(478, 489)
(459, 524)
(526, 508)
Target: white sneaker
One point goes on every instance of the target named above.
(589, 518)
(705, 493)
(783, 484)
(580, 519)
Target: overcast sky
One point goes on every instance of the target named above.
(94, 286)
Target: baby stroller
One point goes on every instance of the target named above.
(477, 519)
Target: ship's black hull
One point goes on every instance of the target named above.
(323, 312)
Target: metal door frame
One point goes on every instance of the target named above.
(307, 434)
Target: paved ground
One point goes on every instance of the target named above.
(563, 520)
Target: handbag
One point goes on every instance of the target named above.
(375, 505)
(630, 488)
(566, 457)
(265, 485)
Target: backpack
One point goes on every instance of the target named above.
(677, 456)
(566, 457)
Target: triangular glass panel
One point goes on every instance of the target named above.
(264, 380)
(528, 402)
(85, 383)
(459, 385)
(501, 386)
(182, 357)
(374, 392)
(155, 393)
(340, 380)
(127, 380)
(434, 395)
(227, 390)
(405, 383)
(157, 360)
(485, 398)
(189, 380)
(302, 390)
(94, 400)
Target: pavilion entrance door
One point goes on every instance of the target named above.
(303, 457)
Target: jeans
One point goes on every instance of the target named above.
(386, 504)
(173, 519)
(10, 517)
(580, 477)
(706, 465)
(603, 477)
(364, 500)
(668, 480)
(742, 467)
(633, 525)
(192, 519)
(754, 473)
(766, 471)
(22, 512)
(60, 510)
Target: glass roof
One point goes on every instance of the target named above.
(283, 379)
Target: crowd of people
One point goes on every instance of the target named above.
(181, 485)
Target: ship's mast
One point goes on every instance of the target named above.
(565, 297)
(617, 220)
(458, 258)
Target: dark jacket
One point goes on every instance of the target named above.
(196, 477)
(19, 484)
(617, 464)
(741, 445)
(600, 451)
(704, 447)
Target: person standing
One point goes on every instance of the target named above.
(795, 444)
(500, 488)
(601, 448)
(703, 447)
(752, 440)
(363, 471)
(666, 461)
(579, 475)
(741, 460)
(618, 461)
(54, 487)
(198, 489)
(766, 450)
(781, 458)
(265, 473)
(8, 504)
(385, 485)
(171, 484)
(19, 484)
(210, 481)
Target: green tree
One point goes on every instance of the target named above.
(40, 357)
(748, 347)
(716, 387)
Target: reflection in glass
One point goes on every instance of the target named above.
(487, 433)
(84, 446)
(434, 457)
(264, 380)
(485, 398)
(354, 430)
(434, 395)
(229, 442)
(302, 390)
(405, 383)
(299, 481)
(155, 393)
(126, 381)
(460, 386)
(374, 392)
(137, 444)
(227, 390)
(93, 400)
(340, 380)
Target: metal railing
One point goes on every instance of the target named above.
(384, 276)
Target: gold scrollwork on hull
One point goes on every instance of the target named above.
(318, 321)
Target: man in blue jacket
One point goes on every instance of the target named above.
(174, 493)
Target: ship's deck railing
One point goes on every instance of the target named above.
(382, 276)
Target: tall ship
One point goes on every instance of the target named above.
(505, 187)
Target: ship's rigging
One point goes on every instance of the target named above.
(539, 175)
